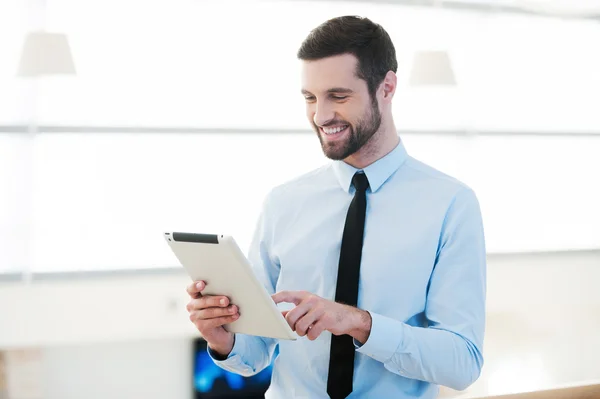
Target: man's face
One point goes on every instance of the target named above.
(338, 105)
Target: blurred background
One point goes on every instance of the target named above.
(120, 120)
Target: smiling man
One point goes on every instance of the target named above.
(382, 255)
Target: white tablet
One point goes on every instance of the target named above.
(217, 260)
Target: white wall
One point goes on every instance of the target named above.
(82, 310)
(124, 305)
(519, 282)
(124, 336)
(149, 369)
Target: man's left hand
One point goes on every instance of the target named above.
(313, 315)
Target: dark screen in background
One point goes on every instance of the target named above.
(211, 381)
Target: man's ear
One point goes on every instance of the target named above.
(390, 82)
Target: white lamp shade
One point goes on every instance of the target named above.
(431, 68)
(46, 54)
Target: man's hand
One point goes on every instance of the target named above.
(209, 314)
(313, 315)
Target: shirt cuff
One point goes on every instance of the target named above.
(233, 359)
(384, 339)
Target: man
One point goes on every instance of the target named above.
(382, 255)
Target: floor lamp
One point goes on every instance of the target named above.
(43, 54)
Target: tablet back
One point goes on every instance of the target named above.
(217, 260)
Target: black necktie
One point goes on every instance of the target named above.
(341, 362)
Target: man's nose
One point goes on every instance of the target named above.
(323, 114)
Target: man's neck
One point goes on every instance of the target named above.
(381, 144)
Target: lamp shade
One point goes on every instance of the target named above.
(431, 68)
(46, 54)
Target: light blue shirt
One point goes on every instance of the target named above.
(422, 278)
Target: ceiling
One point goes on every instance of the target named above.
(558, 8)
(564, 8)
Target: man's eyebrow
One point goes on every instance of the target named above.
(341, 90)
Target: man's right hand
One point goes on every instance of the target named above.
(209, 314)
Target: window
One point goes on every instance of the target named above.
(104, 200)
(13, 91)
(100, 198)
(15, 201)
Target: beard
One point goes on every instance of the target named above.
(357, 136)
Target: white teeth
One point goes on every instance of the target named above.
(335, 130)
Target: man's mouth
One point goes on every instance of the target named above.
(335, 131)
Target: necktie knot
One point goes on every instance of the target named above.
(360, 182)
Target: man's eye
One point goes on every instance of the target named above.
(309, 98)
(340, 97)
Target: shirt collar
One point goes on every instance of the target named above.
(377, 173)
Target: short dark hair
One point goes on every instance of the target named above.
(361, 37)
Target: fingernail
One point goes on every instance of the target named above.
(222, 301)
(199, 286)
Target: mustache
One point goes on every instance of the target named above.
(333, 123)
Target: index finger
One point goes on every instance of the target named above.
(195, 288)
(294, 297)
